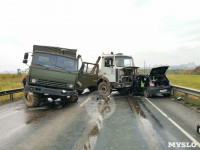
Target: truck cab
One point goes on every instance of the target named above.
(120, 70)
(52, 73)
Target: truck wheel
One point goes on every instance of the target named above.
(31, 99)
(146, 94)
(104, 89)
(73, 98)
(123, 91)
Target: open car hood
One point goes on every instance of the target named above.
(159, 70)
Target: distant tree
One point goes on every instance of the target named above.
(197, 70)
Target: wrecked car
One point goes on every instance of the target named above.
(154, 84)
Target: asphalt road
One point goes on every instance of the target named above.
(116, 123)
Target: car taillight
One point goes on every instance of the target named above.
(151, 84)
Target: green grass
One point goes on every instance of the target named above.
(8, 82)
(191, 81)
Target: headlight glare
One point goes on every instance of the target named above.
(71, 86)
(33, 80)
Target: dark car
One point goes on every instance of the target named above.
(154, 84)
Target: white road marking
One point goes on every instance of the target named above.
(84, 102)
(175, 124)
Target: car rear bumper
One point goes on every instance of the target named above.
(157, 91)
(50, 91)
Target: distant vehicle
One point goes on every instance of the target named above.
(52, 73)
(154, 84)
(120, 71)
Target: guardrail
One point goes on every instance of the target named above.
(11, 92)
(187, 91)
(175, 88)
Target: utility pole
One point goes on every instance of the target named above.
(144, 67)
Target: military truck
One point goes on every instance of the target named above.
(52, 73)
(88, 77)
(120, 71)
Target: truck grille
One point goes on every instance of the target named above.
(52, 83)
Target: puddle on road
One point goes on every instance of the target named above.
(34, 114)
(35, 118)
(99, 109)
(137, 108)
(151, 114)
(145, 126)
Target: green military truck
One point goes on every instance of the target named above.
(53, 73)
(88, 77)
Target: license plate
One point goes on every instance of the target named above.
(163, 91)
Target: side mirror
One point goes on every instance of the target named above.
(26, 56)
(79, 56)
(25, 61)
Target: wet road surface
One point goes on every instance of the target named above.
(118, 123)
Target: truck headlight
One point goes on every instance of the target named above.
(33, 80)
(71, 86)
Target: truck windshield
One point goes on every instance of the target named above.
(55, 61)
(123, 61)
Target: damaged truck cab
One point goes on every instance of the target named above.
(52, 73)
(120, 70)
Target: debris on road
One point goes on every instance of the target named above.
(177, 99)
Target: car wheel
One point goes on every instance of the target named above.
(146, 93)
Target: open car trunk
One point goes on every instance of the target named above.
(157, 76)
(160, 80)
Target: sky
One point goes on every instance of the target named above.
(154, 31)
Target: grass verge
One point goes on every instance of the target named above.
(8, 82)
(192, 101)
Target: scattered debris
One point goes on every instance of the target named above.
(177, 99)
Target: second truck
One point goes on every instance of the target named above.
(52, 73)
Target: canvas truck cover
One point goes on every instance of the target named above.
(55, 50)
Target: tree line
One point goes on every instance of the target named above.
(196, 71)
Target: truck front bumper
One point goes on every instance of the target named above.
(50, 91)
(122, 85)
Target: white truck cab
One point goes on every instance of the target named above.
(119, 69)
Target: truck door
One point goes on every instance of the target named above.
(108, 68)
(87, 77)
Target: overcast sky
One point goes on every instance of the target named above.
(157, 31)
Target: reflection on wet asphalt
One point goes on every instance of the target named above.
(118, 122)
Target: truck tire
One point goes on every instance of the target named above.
(31, 99)
(104, 89)
(73, 98)
(123, 91)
